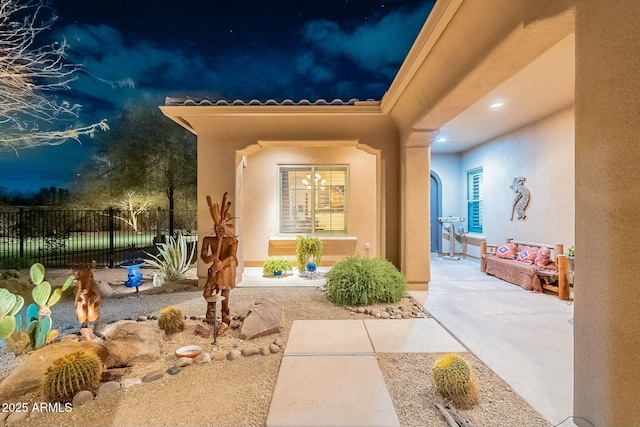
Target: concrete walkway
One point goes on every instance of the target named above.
(329, 375)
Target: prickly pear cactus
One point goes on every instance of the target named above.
(39, 314)
(70, 375)
(10, 305)
(454, 380)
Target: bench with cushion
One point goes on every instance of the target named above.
(532, 266)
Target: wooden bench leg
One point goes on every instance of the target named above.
(563, 284)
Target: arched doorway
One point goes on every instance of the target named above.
(435, 209)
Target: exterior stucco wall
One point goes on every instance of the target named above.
(607, 336)
(222, 138)
(261, 196)
(543, 152)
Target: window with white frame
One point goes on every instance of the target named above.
(313, 199)
(474, 200)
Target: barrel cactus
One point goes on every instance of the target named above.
(71, 374)
(10, 305)
(171, 320)
(454, 380)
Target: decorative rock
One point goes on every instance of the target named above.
(108, 388)
(385, 315)
(130, 382)
(233, 354)
(184, 361)
(81, 398)
(142, 319)
(367, 310)
(113, 374)
(360, 309)
(152, 376)
(202, 358)
(15, 417)
(279, 342)
(348, 308)
(378, 315)
(69, 338)
(250, 351)
(174, 370)
(28, 375)
(133, 342)
(264, 350)
(86, 334)
(220, 355)
(274, 348)
(204, 329)
(235, 324)
(265, 318)
(375, 313)
(17, 343)
(105, 289)
(398, 316)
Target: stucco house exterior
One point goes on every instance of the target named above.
(360, 174)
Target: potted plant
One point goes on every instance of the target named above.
(308, 251)
(275, 266)
(571, 256)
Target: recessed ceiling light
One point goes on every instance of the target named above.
(497, 104)
(441, 139)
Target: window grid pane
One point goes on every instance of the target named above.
(474, 199)
(313, 199)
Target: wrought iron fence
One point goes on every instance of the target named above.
(63, 238)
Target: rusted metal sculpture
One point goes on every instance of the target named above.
(220, 250)
(88, 298)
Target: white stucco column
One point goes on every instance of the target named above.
(607, 271)
(416, 235)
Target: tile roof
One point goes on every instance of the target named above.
(188, 101)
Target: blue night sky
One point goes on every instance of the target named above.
(231, 49)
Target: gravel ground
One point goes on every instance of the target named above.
(238, 393)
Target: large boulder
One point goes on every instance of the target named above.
(28, 375)
(265, 317)
(130, 342)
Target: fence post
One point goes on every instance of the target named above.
(21, 231)
(158, 233)
(111, 237)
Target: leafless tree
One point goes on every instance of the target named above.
(30, 75)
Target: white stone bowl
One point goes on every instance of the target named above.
(189, 351)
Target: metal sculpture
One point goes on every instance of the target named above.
(220, 250)
(88, 297)
(521, 200)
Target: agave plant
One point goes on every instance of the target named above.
(174, 259)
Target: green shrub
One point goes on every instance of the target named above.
(308, 248)
(276, 263)
(359, 281)
(16, 263)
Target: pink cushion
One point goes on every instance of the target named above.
(543, 258)
(527, 255)
(507, 251)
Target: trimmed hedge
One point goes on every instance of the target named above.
(360, 281)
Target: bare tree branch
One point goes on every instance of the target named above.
(29, 75)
